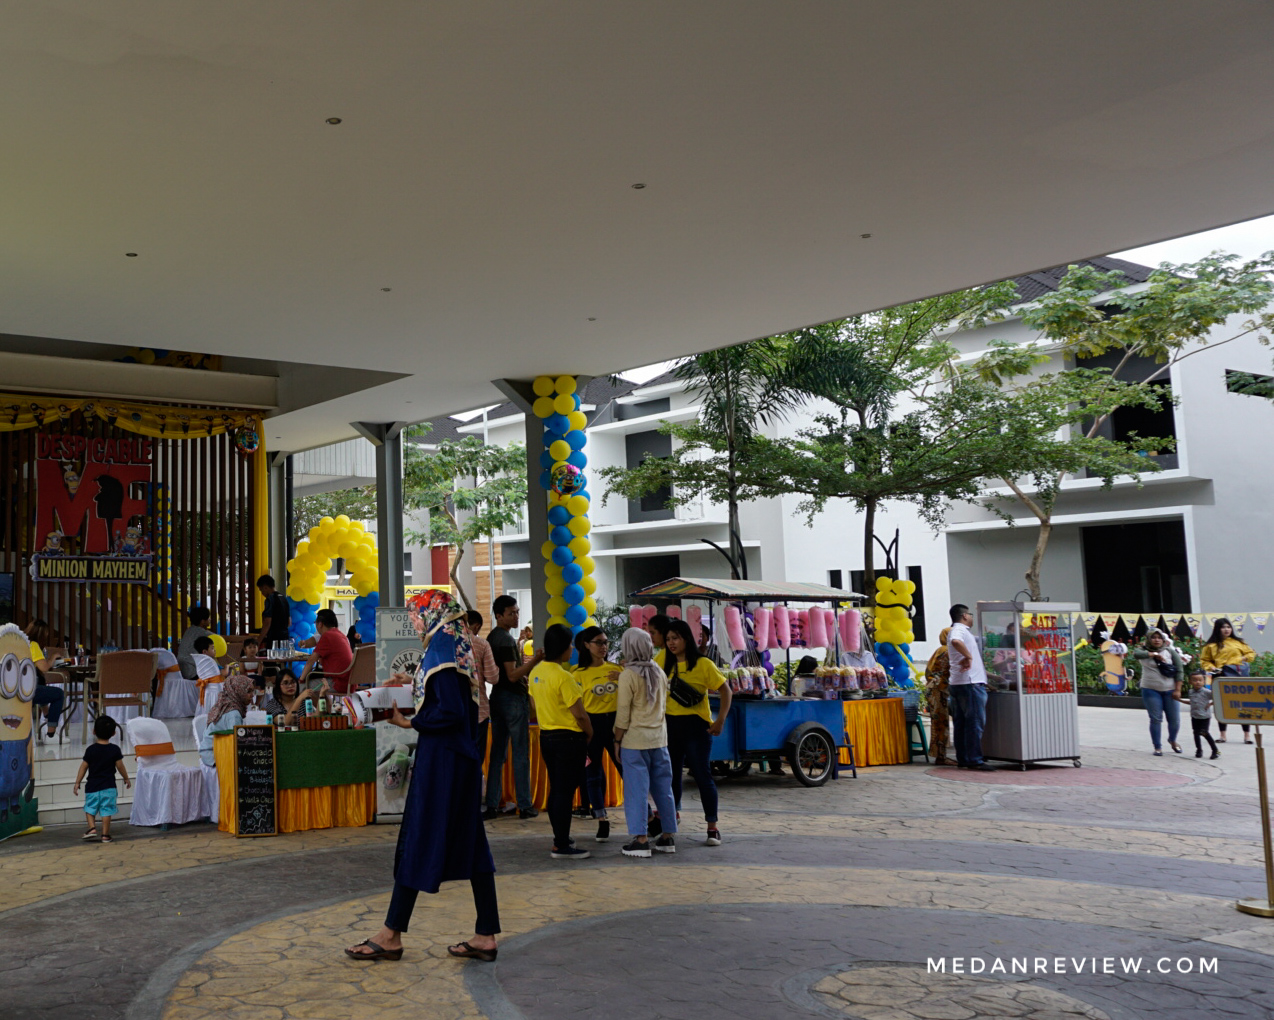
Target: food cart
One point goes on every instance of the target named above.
(809, 732)
(1032, 709)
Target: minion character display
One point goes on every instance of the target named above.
(18, 811)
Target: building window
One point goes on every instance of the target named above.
(407, 564)
(1249, 384)
(638, 447)
(834, 579)
(1135, 423)
(643, 408)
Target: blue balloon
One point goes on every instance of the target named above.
(559, 515)
(578, 459)
(546, 480)
(572, 572)
(577, 400)
(560, 536)
(573, 594)
(576, 439)
(562, 556)
(373, 598)
(546, 460)
(576, 615)
(558, 424)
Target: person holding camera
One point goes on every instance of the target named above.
(1160, 683)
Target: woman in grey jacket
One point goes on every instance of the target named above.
(1160, 683)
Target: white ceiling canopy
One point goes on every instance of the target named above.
(474, 213)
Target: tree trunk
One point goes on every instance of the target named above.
(1037, 560)
(869, 552)
(455, 578)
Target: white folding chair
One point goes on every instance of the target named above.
(211, 787)
(165, 792)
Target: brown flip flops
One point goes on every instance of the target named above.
(464, 951)
(378, 954)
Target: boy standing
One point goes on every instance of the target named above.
(1200, 702)
(101, 759)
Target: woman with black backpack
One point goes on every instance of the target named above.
(690, 723)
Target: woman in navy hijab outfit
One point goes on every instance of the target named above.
(442, 838)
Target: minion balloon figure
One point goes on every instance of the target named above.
(18, 809)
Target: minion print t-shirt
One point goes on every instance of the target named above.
(601, 687)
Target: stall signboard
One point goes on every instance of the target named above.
(398, 647)
(1046, 640)
(256, 790)
(93, 509)
(1244, 700)
(346, 593)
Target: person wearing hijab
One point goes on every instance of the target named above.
(937, 672)
(232, 705)
(441, 838)
(642, 736)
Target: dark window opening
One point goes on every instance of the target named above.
(642, 571)
(1148, 423)
(643, 408)
(1249, 384)
(915, 575)
(1136, 567)
(834, 579)
(407, 564)
(653, 506)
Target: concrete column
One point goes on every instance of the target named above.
(387, 437)
(280, 519)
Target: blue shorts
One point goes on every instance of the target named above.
(101, 803)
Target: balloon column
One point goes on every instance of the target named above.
(307, 573)
(893, 628)
(568, 569)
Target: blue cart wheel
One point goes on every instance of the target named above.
(812, 754)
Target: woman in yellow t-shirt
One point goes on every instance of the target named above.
(40, 635)
(691, 727)
(657, 628)
(599, 681)
(1228, 655)
(565, 731)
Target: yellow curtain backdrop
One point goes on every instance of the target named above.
(540, 777)
(25, 411)
(877, 728)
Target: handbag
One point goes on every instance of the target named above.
(684, 694)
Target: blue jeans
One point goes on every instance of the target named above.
(968, 718)
(510, 722)
(55, 698)
(1159, 704)
(647, 771)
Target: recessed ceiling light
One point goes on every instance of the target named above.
(592, 318)
(387, 289)
(130, 254)
(638, 187)
(864, 235)
(333, 120)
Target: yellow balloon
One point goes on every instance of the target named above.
(578, 526)
(542, 407)
(543, 386)
(591, 622)
(558, 619)
(590, 604)
(546, 549)
(580, 546)
(342, 520)
(326, 522)
(586, 564)
(324, 565)
(556, 499)
(559, 450)
(316, 534)
(326, 526)
(366, 588)
(564, 404)
(882, 583)
(564, 384)
(219, 647)
(555, 585)
(347, 550)
(358, 526)
(556, 605)
(578, 420)
(577, 504)
(589, 583)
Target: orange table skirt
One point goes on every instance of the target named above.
(877, 728)
(540, 777)
(313, 807)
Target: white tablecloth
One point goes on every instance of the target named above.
(170, 796)
(180, 699)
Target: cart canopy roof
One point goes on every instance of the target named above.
(722, 589)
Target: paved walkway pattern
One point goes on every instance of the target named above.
(901, 895)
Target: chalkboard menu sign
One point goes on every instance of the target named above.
(254, 781)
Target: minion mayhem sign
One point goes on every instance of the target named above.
(93, 509)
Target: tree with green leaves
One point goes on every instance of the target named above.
(1179, 312)
(358, 504)
(741, 389)
(472, 492)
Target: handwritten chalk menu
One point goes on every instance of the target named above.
(254, 781)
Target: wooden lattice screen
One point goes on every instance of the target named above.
(202, 527)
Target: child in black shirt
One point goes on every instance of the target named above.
(101, 760)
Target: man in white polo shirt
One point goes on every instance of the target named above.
(967, 687)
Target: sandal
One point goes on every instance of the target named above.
(378, 954)
(90, 834)
(464, 951)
